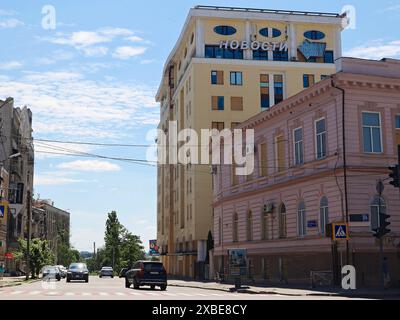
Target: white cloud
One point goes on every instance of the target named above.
(81, 39)
(147, 61)
(113, 32)
(9, 65)
(56, 55)
(89, 165)
(376, 50)
(67, 104)
(7, 12)
(127, 52)
(11, 23)
(95, 51)
(54, 179)
(135, 39)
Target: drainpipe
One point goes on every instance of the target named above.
(344, 163)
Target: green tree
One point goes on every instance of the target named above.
(112, 239)
(39, 255)
(131, 249)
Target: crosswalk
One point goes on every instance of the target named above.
(14, 294)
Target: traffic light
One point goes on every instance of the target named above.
(395, 175)
(383, 224)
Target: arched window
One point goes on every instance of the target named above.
(301, 219)
(249, 226)
(377, 206)
(220, 231)
(235, 227)
(323, 214)
(225, 30)
(282, 221)
(264, 223)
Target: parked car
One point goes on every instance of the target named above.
(106, 272)
(63, 271)
(147, 273)
(51, 272)
(123, 272)
(78, 271)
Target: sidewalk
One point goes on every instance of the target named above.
(359, 293)
(14, 281)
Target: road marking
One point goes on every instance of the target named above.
(200, 294)
(103, 293)
(185, 294)
(16, 292)
(35, 293)
(69, 293)
(86, 294)
(51, 293)
(170, 294)
(119, 293)
(217, 294)
(135, 293)
(152, 294)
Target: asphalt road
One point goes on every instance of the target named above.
(114, 289)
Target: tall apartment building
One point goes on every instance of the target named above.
(228, 65)
(4, 177)
(17, 158)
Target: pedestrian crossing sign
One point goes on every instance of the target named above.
(3, 210)
(340, 231)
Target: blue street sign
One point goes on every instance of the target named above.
(312, 224)
(340, 231)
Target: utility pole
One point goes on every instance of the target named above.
(380, 188)
(28, 242)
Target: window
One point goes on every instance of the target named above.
(397, 126)
(314, 35)
(235, 227)
(324, 76)
(217, 125)
(301, 219)
(237, 103)
(263, 160)
(278, 88)
(323, 214)
(236, 78)
(214, 51)
(234, 124)
(217, 77)
(249, 226)
(270, 32)
(298, 146)
(328, 56)
(378, 206)
(282, 221)
(260, 54)
(280, 153)
(219, 231)
(320, 135)
(264, 226)
(225, 30)
(281, 55)
(372, 132)
(217, 103)
(192, 38)
(308, 80)
(264, 91)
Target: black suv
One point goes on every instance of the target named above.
(147, 273)
(78, 271)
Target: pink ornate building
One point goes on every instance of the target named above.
(306, 176)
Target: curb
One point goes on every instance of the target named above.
(19, 283)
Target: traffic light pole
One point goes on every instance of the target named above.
(382, 278)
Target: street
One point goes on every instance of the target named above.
(114, 289)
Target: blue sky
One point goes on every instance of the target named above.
(93, 79)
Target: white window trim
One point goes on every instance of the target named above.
(294, 146)
(271, 87)
(316, 139)
(322, 231)
(380, 133)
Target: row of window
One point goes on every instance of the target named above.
(377, 206)
(268, 32)
(236, 78)
(218, 103)
(214, 51)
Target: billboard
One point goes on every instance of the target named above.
(237, 261)
(153, 248)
